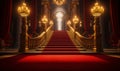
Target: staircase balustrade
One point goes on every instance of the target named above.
(39, 40)
(87, 42)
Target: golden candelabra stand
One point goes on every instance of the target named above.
(24, 12)
(97, 10)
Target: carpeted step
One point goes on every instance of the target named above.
(60, 43)
(61, 52)
(61, 49)
(61, 46)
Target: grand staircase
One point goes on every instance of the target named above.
(60, 43)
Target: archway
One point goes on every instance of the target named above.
(59, 19)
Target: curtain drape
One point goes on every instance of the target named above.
(114, 13)
(5, 19)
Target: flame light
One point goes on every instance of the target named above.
(75, 19)
(44, 20)
(23, 10)
(97, 10)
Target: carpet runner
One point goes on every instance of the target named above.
(60, 62)
(60, 42)
(40, 62)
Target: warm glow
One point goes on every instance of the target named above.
(44, 20)
(23, 10)
(69, 22)
(97, 10)
(80, 24)
(51, 22)
(62, 58)
(59, 20)
(75, 19)
(59, 2)
(59, 23)
(59, 16)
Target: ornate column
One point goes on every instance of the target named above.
(23, 36)
(97, 36)
(97, 11)
(46, 11)
(45, 15)
(74, 11)
(24, 11)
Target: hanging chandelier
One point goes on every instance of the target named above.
(59, 2)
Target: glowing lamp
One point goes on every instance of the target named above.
(44, 19)
(97, 10)
(23, 10)
(75, 20)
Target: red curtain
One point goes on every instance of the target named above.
(114, 12)
(33, 15)
(6, 14)
(87, 15)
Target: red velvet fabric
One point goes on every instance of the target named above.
(5, 19)
(60, 42)
(39, 62)
(114, 13)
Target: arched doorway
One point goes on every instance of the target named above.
(59, 19)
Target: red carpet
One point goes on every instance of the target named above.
(60, 42)
(38, 62)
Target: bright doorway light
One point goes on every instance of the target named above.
(59, 16)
